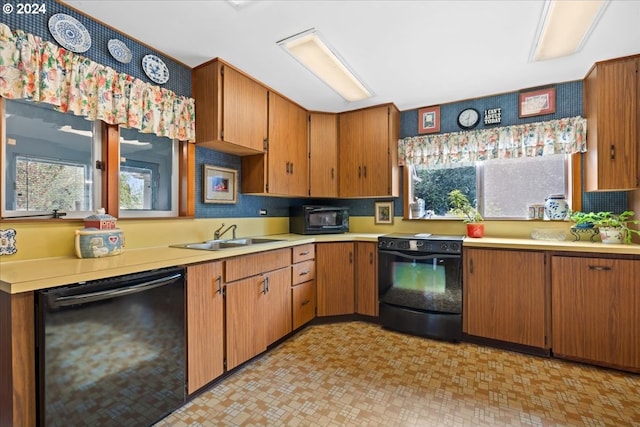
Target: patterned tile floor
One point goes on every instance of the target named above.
(357, 374)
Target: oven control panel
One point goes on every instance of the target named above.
(431, 245)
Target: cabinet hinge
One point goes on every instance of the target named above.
(221, 134)
(265, 144)
(266, 188)
(222, 70)
(545, 340)
(224, 291)
(224, 364)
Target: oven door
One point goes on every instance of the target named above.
(424, 282)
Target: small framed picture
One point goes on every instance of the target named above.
(219, 185)
(537, 102)
(384, 212)
(429, 119)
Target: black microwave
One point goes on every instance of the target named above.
(308, 219)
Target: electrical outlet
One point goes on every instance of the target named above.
(262, 212)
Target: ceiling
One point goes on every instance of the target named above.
(413, 53)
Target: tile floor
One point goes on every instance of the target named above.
(357, 374)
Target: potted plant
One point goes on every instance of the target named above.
(462, 208)
(583, 228)
(613, 228)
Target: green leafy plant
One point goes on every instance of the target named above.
(583, 219)
(462, 207)
(608, 219)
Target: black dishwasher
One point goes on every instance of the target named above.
(112, 352)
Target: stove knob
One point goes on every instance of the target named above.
(455, 247)
(444, 246)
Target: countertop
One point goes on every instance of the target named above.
(30, 275)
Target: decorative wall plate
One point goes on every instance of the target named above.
(155, 69)
(119, 51)
(69, 33)
(8, 242)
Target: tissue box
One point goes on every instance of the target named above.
(95, 243)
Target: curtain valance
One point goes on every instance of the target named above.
(34, 69)
(566, 136)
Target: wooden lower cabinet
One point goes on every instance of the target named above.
(205, 324)
(335, 278)
(258, 307)
(505, 296)
(367, 278)
(596, 310)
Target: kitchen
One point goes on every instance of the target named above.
(141, 234)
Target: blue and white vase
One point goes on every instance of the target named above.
(556, 207)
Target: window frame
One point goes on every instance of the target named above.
(108, 166)
(574, 178)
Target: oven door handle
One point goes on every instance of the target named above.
(411, 256)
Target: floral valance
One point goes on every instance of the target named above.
(563, 136)
(34, 69)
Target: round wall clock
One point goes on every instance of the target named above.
(468, 118)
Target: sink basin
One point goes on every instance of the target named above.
(216, 245)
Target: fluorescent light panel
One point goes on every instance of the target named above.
(565, 27)
(309, 49)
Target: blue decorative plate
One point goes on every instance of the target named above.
(8, 242)
(119, 51)
(155, 69)
(69, 33)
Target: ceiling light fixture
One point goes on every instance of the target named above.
(565, 26)
(312, 52)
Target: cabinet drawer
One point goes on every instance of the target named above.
(258, 263)
(304, 303)
(303, 252)
(304, 271)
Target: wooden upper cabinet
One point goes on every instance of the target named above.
(611, 97)
(323, 154)
(367, 147)
(284, 168)
(231, 109)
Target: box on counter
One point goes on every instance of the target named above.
(95, 243)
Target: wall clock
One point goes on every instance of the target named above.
(468, 118)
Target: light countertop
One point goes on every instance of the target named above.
(30, 275)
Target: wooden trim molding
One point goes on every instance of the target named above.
(187, 185)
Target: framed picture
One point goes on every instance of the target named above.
(537, 102)
(384, 212)
(219, 185)
(429, 119)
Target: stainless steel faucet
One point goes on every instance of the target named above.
(218, 234)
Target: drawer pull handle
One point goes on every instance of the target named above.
(304, 253)
(599, 268)
(304, 273)
(219, 282)
(305, 302)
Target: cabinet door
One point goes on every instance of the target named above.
(244, 110)
(303, 303)
(375, 157)
(366, 279)
(246, 327)
(596, 304)
(611, 107)
(278, 304)
(505, 295)
(323, 152)
(205, 324)
(288, 170)
(335, 278)
(350, 156)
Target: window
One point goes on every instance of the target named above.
(148, 174)
(49, 162)
(501, 188)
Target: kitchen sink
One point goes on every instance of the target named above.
(216, 245)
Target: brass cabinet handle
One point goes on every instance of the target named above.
(304, 273)
(613, 152)
(359, 171)
(364, 169)
(305, 303)
(370, 257)
(304, 253)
